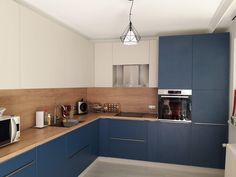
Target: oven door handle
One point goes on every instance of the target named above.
(173, 96)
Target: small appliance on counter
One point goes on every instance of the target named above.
(9, 129)
(82, 107)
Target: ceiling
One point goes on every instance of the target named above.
(107, 19)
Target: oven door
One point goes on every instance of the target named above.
(5, 132)
(175, 107)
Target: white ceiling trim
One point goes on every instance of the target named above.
(219, 14)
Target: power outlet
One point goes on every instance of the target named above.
(151, 107)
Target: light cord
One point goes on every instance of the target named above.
(130, 12)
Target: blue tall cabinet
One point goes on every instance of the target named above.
(200, 63)
(210, 99)
(175, 62)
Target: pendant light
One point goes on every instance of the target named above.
(130, 36)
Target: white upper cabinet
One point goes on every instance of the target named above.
(103, 65)
(108, 54)
(153, 63)
(9, 45)
(134, 54)
(53, 56)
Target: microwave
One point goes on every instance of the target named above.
(9, 130)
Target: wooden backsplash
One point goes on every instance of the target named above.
(131, 99)
(27, 101)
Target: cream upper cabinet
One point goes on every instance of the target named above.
(9, 45)
(53, 56)
(153, 63)
(134, 54)
(103, 65)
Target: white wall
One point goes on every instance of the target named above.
(232, 129)
(37, 52)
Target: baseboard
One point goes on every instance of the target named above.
(183, 168)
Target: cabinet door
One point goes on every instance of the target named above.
(77, 140)
(128, 139)
(103, 65)
(82, 146)
(173, 143)
(23, 165)
(210, 106)
(135, 54)
(175, 62)
(211, 61)
(9, 44)
(206, 145)
(51, 158)
(103, 137)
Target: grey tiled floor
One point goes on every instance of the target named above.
(106, 169)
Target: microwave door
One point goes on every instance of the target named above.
(13, 130)
(5, 132)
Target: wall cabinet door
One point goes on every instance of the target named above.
(173, 143)
(103, 65)
(9, 45)
(23, 165)
(175, 62)
(135, 54)
(51, 158)
(210, 106)
(128, 139)
(206, 146)
(211, 61)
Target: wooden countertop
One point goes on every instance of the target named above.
(34, 137)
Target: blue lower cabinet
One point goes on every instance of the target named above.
(206, 146)
(103, 137)
(51, 158)
(128, 139)
(82, 148)
(152, 140)
(173, 143)
(23, 165)
(79, 161)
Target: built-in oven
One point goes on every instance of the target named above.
(174, 104)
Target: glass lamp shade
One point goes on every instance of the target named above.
(130, 36)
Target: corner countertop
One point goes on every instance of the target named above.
(33, 137)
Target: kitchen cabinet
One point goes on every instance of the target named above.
(206, 145)
(127, 55)
(9, 45)
(51, 55)
(175, 62)
(210, 106)
(82, 148)
(211, 61)
(125, 139)
(103, 137)
(103, 65)
(108, 54)
(23, 165)
(153, 63)
(51, 158)
(173, 143)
